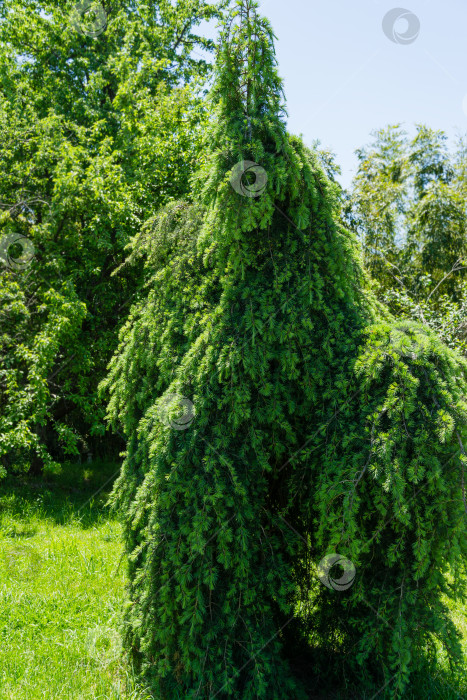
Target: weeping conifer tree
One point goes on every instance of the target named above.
(319, 425)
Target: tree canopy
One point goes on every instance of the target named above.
(100, 119)
(408, 207)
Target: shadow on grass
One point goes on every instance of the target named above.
(340, 683)
(72, 493)
(326, 674)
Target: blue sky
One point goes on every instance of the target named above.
(344, 78)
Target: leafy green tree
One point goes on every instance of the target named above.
(100, 117)
(408, 206)
(275, 413)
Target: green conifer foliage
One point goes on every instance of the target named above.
(318, 425)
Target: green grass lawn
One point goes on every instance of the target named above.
(61, 587)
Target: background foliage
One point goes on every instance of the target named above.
(408, 207)
(97, 134)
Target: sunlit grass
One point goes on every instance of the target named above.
(61, 587)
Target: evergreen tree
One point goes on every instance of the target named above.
(312, 423)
